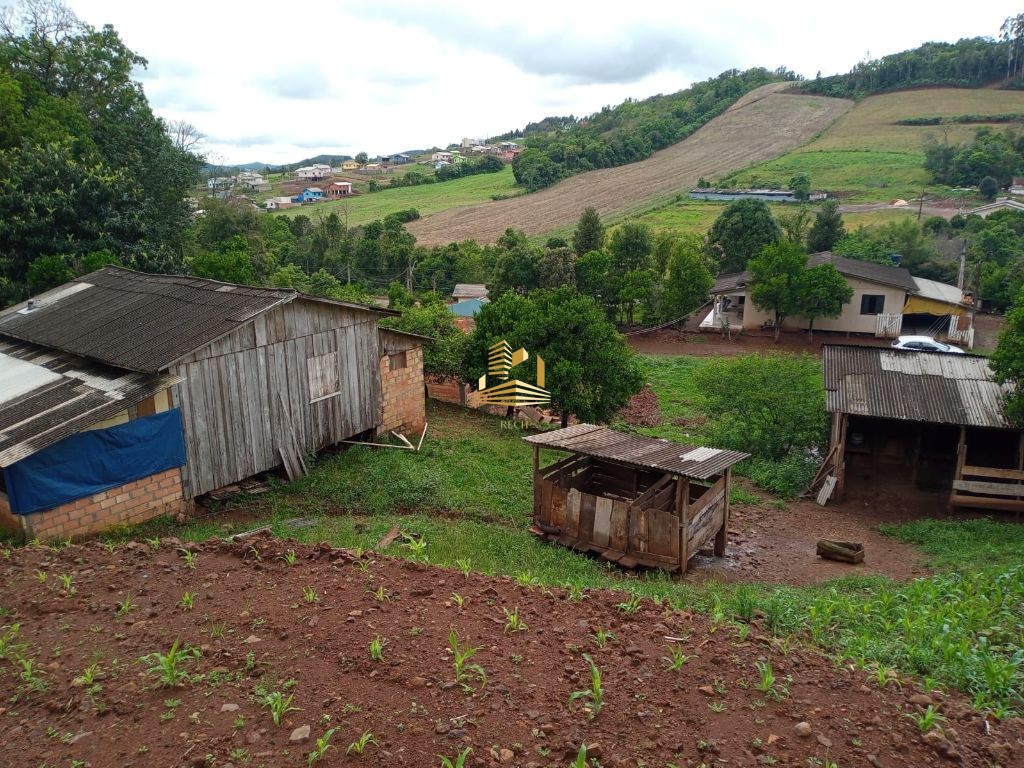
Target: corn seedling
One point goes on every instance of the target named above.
(417, 547)
(9, 648)
(217, 630)
(573, 592)
(460, 656)
(88, 677)
(463, 564)
(458, 599)
(40, 576)
(278, 705)
(527, 579)
(322, 745)
(169, 668)
(289, 557)
(67, 583)
(602, 637)
(31, 675)
(309, 595)
(458, 762)
(630, 605)
(239, 723)
(676, 658)
(927, 720)
(381, 595)
(513, 621)
(377, 647)
(595, 693)
(187, 601)
(153, 543)
(239, 755)
(717, 706)
(125, 606)
(885, 676)
(359, 745)
(581, 758)
(766, 684)
(190, 558)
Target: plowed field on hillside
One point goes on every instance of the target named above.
(761, 125)
(76, 690)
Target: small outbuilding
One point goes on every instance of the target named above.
(631, 499)
(126, 395)
(909, 421)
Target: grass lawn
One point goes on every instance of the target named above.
(468, 494)
(426, 198)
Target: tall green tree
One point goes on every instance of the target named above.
(741, 232)
(801, 186)
(821, 292)
(592, 380)
(1008, 361)
(688, 279)
(775, 281)
(827, 229)
(85, 164)
(589, 233)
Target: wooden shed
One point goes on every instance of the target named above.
(633, 500)
(242, 378)
(920, 421)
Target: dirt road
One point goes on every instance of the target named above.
(761, 125)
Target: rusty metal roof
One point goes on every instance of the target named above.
(863, 270)
(46, 396)
(142, 322)
(639, 451)
(931, 387)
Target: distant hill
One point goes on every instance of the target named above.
(327, 159)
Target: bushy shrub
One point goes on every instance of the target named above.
(784, 477)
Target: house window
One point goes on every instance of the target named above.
(324, 376)
(872, 304)
(397, 361)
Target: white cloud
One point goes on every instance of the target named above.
(275, 83)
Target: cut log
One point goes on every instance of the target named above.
(841, 551)
(389, 538)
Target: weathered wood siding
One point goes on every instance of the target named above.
(241, 394)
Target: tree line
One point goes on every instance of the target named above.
(632, 130)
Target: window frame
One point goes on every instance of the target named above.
(316, 367)
(872, 297)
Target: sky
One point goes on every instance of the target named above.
(276, 82)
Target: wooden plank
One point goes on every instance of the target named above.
(573, 502)
(722, 537)
(986, 502)
(618, 538)
(656, 486)
(988, 489)
(602, 521)
(683, 513)
(588, 507)
(826, 491)
(663, 529)
(1008, 474)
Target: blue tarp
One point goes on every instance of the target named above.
(94, 461)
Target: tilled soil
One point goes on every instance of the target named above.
(255, 629)
(761, 125)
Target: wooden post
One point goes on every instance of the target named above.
(683, 510)
(722, 537)
(961, 456)
(536, 458)
(840, 489)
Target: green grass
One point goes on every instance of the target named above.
(679, 400)
(468, 495)
(426, 198)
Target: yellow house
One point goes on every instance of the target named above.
(886, 302)
(349, 165)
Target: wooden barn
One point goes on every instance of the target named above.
(633, 500)
(920, 421)
(125, 395)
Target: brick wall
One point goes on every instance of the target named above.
(405, 408)
(450, 391)
(129, 504)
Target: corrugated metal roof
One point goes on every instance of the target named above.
(59, 394)
(469, 291)
(141, 322)
(944, 292)
(931, 387)
(639, 451)
(864, 270)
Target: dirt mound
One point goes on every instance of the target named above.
(761, 125)
(643, 410)
(262, 626)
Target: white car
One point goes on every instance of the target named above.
(924, 344)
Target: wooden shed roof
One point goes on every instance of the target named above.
(46, 396)
(639, 451)
(932, 387)
(143, 322)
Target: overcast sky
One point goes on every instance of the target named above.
(276, 82)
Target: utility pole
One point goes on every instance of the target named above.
(963, 264)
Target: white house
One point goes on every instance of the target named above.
(886, 302)
(279, 203)
(439, 157)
